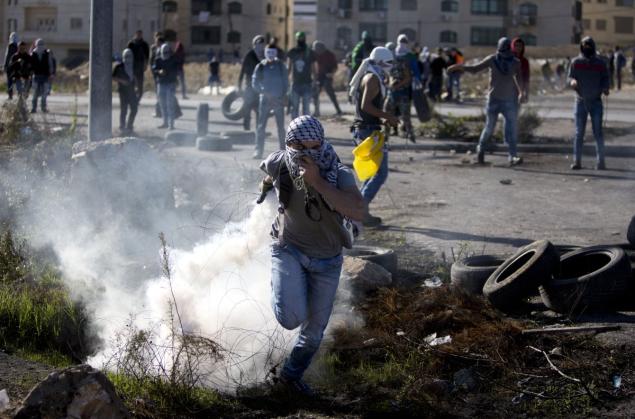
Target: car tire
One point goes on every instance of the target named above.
(471, 273)
(522, 274)
(229, 110)
(213, 143)
(385, 258)
(181, 138)
(630, 234)
(591, 279)
(241, 137)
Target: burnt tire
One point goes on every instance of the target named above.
(591, 279)
(229, 108)
(522, 274)
(241, 137)
(213, 143)
(630, 234)
(566, 248)
(385, 258)
(181, 138)
(471, 273)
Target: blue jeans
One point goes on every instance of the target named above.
(22, 87)
(582, 110)
(454, 81)
(304, 92)
(167, 101)
(9, 84)
(264, 108)
(41, 89)
(303, 294)
(371, 186)
(509, 109)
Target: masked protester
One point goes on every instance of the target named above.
(503, 98)
(327, 66)
(401, 76)
(369, 88)
(21, 69)
(270, 81)
(316, 193)
(124, 75)
(141, 54)
(43, 70)
(155, 51)
(589, 77)
(166, 69)
(620, 63)
(12, 49)
(303, 69)
(437, 65)
(361, 51)
(518, 47)
(251, 60)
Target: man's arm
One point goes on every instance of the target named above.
(256, 82)
(370, 87)
(605, 82)
(242, 73)
(471, 68)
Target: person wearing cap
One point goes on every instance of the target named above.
(361, 51)
(589, 77)
(369, 88)
(504, 96)
(326, 68)
(316, 195)
(124, 75)
(270, 81)
(43, 70)
(303, 70)
(12, 49)
(250, 61)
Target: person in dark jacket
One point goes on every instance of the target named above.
(518, 47)
(21, 70)
(166, 68)
(12, 49)
(155, 50)
(303, 70)
(141, 52)
(179, 55)
(251, 60)
(610, 60)
(43, 70)
(327, 66)
(124, 75)
(589, 77)
(620, 63)
(361, 51)
(437, 65)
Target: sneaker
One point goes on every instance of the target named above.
(33, 110)
(371, 221)
(411, 138)
(297, 386)
(576, 166)
(480, 156)
(171, 128)
(257, 155)
(162, 126)
(515, 161)
(45, 110)
(600, 166)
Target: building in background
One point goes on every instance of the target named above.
(609, 22)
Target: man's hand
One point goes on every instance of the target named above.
(392, 120)
(310, 171)
(606, 92)
(574, 84)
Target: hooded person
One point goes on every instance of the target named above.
(270, 80)
(589, 77)
(20, 69)
(43, 69)
(166, 70)
(326, 68)
(317, 198)
(361, 51)
(302, 65)
(141, 58)
(124, 75)
(518, 48)
(401, 77)
(368, 88)
(503, 97)
(12, 49)
(250, 61)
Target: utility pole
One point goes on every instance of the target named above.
(100, 90)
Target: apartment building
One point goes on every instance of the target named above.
(448, 23)
(609, 22)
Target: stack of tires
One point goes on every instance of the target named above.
(570, 280)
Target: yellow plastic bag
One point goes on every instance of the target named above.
(369, 155)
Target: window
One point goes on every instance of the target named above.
(12, 25)
(410, 33)
(623, 24)
(76, 23)
(600, 25)
(451, 6)
(489, 7)
(235, 8)
(482, 35)
(377, 31)
(529, 38)
(211, 6)
(206, 35)
(586, 24)
(624, 3)
(344, 38)
(268, 8)
(408, 4)
(373, 5)
(602, 1)
(153, 25)
(528, 13)
(345, 4)
(169, 7)
(233, 37)
(124, 25)
(448, 37)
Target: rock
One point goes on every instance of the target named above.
(365, 276)
(76, 392)
(464, 379)
(4, 400)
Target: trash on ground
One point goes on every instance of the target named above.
(434, 282)
(572, 329)
(617, 381)
(452, 152)
(433, 340)
(370, 341)
(401, 333)
(506, 181)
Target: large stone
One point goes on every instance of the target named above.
(76, 392)
(363, 275)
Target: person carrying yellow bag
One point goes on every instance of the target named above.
(369, 156)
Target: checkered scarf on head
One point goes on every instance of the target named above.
(307, 128)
